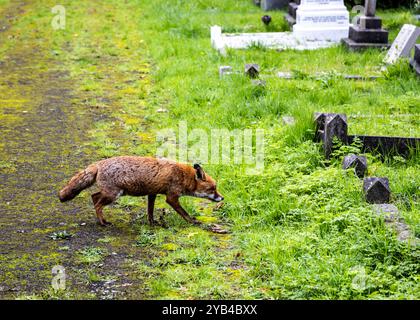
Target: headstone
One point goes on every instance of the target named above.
(252, 70)
(257, 2)
(403, 43)
(376, 190)
(224, 70)
(368, 33)
(291, 12)
(359, 164)
(328, 126)
(322, 20)
(267, 5)
(415, 62)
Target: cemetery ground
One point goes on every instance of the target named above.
(122, 70)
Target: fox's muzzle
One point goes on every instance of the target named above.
(216, 197)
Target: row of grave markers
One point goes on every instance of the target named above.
(376, 189)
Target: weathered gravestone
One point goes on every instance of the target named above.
(252, 70)
(273, 4)
(376, 190)
(368, 33)
(359, 164)
(291, 12)
(403, 43)
(322, 20)
(415, 62)
(392, 218)
(224, 70)
(328, 126)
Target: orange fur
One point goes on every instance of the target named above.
(141, 176)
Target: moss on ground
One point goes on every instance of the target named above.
(97, 89)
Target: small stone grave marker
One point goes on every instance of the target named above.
(359, 164)
(252, 70)
(376, 190)
(403, 43)
(224, 70)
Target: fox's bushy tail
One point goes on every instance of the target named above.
(82, 180)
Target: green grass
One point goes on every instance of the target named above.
(300, 229)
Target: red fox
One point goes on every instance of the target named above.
(141, 176)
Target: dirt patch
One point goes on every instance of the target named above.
(44, 136)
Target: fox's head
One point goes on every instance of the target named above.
(206, 186)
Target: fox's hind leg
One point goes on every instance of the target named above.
(150, 207)
(100, 200)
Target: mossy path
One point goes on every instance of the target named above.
(68, 98)
(44, 131)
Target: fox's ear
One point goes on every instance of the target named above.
(199, 172)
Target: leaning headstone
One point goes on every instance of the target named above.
(322, 20)
(368, 33)
(267, 5)
(415, 62)
(252, 70)
(359, 164)
(376, 190)
(224, 70)
(403, 43)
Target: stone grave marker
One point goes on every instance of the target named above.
(359, 164)
(403, 43)
(321, 20)
(225, 70)
(328, 126)
(252, 70)
(291, 12)
(415, 62)
(273, 4)
(376, 190)
(368, 33)
(393, 218)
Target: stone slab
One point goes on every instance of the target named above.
(360, 35)
(355, 46)
(274, 40)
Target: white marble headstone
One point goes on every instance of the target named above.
(403, 43)
(322, 20)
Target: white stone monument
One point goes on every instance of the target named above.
(322, 20)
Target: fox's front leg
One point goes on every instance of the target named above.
(173, 201)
